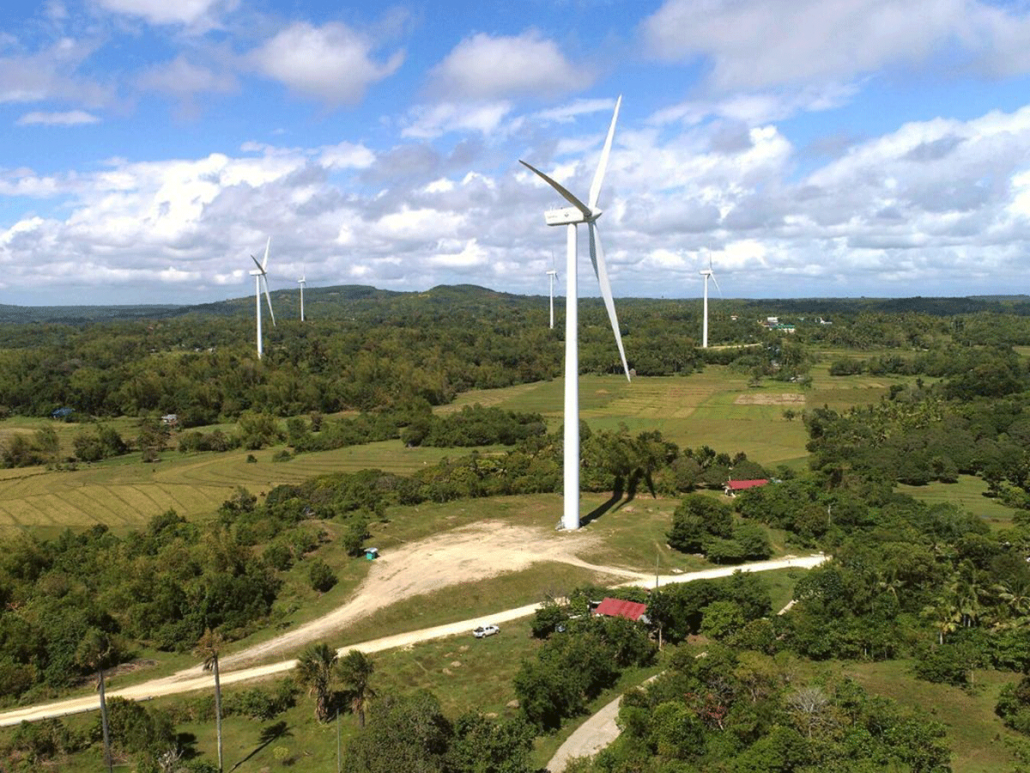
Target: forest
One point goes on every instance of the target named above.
(924, 582)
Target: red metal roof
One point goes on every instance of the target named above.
(740, 485)
(631, 610)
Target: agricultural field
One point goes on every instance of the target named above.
(714, 408)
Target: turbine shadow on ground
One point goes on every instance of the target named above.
(613, 504)
(268, 735)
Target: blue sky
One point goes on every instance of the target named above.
(805, 147)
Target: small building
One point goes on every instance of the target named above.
(61, 413)
(371, 553)
(630, 610)
(733, 487)
(170, 420)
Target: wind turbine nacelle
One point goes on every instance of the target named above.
(564, 216)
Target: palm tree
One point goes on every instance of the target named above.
(207, 649)
(355, 669)
(945, 615)
(93, 653)
(1016, 595)
(316, 668)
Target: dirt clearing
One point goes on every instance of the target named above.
(464, 555)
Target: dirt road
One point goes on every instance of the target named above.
(455, 557)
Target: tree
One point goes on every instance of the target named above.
(207, 649)
(485, 745)
(315, 670)
(355, 669)
(152, 439)
(321, 576)
(697, 518)
(93, 653)
(404, 733)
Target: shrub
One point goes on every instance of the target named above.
(321, 576)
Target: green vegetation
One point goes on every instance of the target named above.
(895, 437)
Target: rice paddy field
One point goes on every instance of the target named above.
(716, 408)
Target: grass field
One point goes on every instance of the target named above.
(967, 492)
(975, 733)
(714, 408)
(708, 408)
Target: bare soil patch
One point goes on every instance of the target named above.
(463, 555)
(769, 399)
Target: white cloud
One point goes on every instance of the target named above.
(332, 63)
(185, 79)
(419, 225)
(51, 73)
(468, 254)
(430, 121)
(166, 11)
(346, 155)
(172, 274)
(70, 118)
(483, 67)
(751, 44)
(573, 110)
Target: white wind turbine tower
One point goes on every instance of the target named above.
(552, 275)
(571, 217)
(261, 277)
(707, 273)
(302, 281)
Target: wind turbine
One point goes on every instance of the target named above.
(571, 217)
(552, 275)
(302, 281)
(261, 277)
(707, 273)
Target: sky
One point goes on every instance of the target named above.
(802, 148)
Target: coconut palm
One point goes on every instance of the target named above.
(945, 615)
(355, 669)
(207, 649)
(316, 669)
(94, 652)
(1016, 596)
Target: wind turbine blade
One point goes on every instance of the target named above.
(264, 263)
(256, 263)
(717, 285)
(558, 187)
(602, 165)
(264, 281)
(601, 272)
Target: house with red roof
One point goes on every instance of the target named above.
(733, 487)
(630, 610)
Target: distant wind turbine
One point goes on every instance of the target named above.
(552, 275)
(571, 217)
(302, 281)
(261, 278)
(707, 273)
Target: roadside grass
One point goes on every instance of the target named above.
(781, 584)
(969, 493)
(465, 602)
(975, 733)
